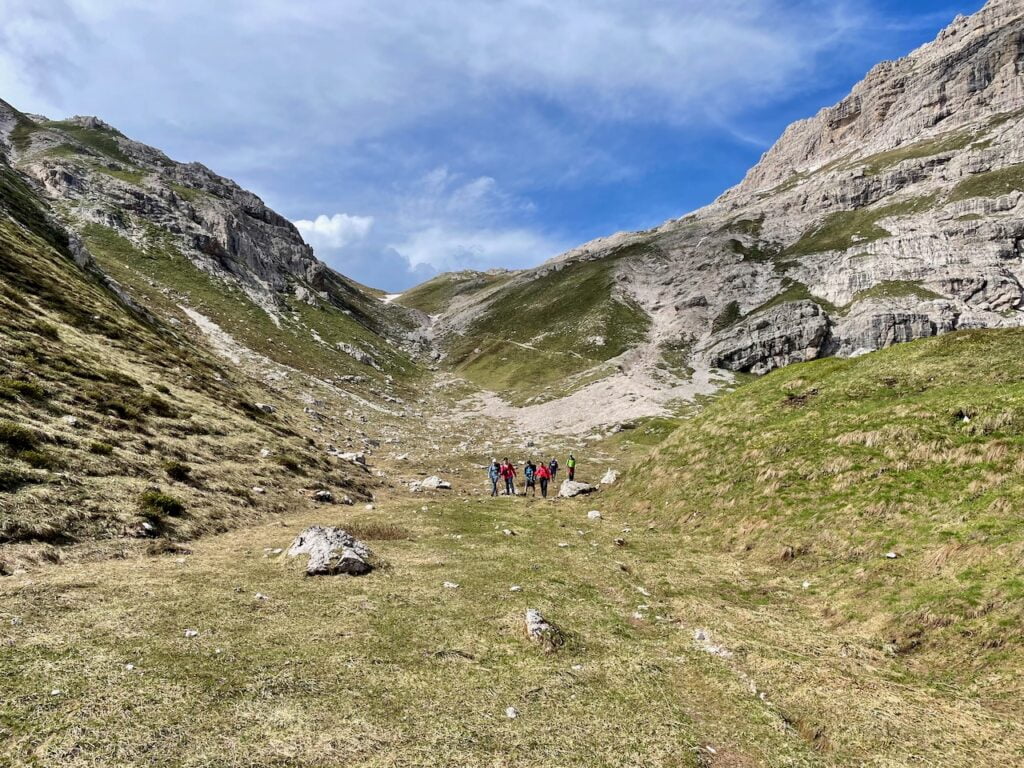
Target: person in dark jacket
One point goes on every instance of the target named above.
(530, 473)
(553, 467)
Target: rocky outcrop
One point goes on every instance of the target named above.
(790, 333)
(331, 551)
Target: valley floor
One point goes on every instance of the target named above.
(397, 669)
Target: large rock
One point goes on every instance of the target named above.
(789, 333)
(432, 483)
(572, 488)
(331, 551)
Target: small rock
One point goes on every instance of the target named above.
(129, 667)
(258, 489)
(325, 497)
(260, 596)
(593, 515)
(515, 588)
(264, 453)
(266, 407)
(563, 544)
(509, 532)
(620, 542)
(56, 692)
(190, 633)
(543, 632)
(806, 585)
(369, 507)
(71, 421)
(891, 555)
(610, 477)
(511, 713)
(450, 585)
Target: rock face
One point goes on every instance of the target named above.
(331, 551)
(894, 215)
(101, 177)
(571, 488)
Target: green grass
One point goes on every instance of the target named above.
(101, 140)
(914, 449)
(160, 504)
(844, 229)
(729, 316)
(536, 334)
(437, 294)
(896, 289)
(990, 184)
(290, 343)
(794, 291)
(950, 142)
(128, 176)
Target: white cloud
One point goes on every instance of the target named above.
(335, 231)
(446, 249)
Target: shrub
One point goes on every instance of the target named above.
(13, 479)
(40, 459)
(178, 471)
(12, 389)
(101, 449)
(290, 461)
(158, 504)
(44, 329)
(16, 437)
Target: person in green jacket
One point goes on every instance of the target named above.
(571, 464)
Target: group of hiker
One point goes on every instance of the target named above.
(534, 474)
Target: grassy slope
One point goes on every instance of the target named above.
(437, 294)
(534, 336)
(815, 473)
(143, 398)
(292, 343)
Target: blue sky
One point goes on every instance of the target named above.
(406, 138)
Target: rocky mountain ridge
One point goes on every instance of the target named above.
(893, 215)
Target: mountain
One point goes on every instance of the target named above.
(892, 216)
(174, 360)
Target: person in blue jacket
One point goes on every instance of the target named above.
(494, 473)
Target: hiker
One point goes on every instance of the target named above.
(530, 473)
(553, 467)
(494, 473)
(571, 464)
(508, 471)
(544, 475)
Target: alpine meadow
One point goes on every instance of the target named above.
(742, 489)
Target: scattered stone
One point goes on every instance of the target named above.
(702, 638)
(450, 585)
(369, 507)
(353, 458)
(515, 588)
(325, 497)
(563, 544)
(347, 501)
(266, 408)
(543, 632)
(435, 483)
(71, 421)
(331, 551)
(620, 542)
(56, 692)
(258, 489)
(610, 477)
(577, 667)
(190, 633)
(571, 488)
(264, 453)
(806, 585)
(260, 596)
(129, 667)
(511, 713)
(593, 515)
(892, 555)
(509, 532)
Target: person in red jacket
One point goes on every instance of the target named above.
(508, 471)
(544, 476)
